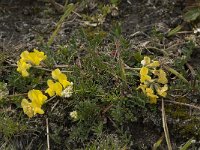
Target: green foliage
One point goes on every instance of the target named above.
(104, 67)
(121, 114)
(3, 90)
(115, 2)
(21, 84)
(10, 127)
(192, 14)
(110, 142)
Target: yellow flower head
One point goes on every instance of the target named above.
(34, 57)
(144, 75)
(39, 55)
(62, 78)
(27, 108)
(37, 97)
(154, 64)
(23, 67)
(161, 76)
(151, 95)
(54, 88)
(162, 90)
(147, 62)
(28, 58)
(147, 82)
(143, 88)
(33, 107)
(25, 55)
(37, 100)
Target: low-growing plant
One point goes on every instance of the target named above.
(88, 93)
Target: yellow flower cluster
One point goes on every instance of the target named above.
(148, 84)
(37, 100)
(28, 59)
(61, 82)
(59, 86)
(54, 88)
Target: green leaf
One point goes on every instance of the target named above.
(174, 31)
(192, 15)
(158, 143)
(138, 56)
(180, 76)
(187, 144)
(115, 2)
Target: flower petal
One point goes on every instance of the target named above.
(54, 88)
(146, 61)
(22, 67)
(154, 64)
(27, 108)
(162, 77)
(151, 95)
(37, 97)
(162, 90)
(142, 87)
(38, 110)
(58, 88)
(144, 75)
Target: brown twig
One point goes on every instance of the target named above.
(183, 104)
(107, 108)
(55, 104)
(17, 95)
(42, 68)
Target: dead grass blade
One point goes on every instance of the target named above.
(164, 120)
(68, 11)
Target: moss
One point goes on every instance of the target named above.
(190, 128)
(183, 123)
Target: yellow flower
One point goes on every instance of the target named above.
(28, 58)
(27, 108)
(22, 67)
(151, 95)
(34, 57)
(147, 62)
(37, 100)
(154, 64)
(62, 78)
(161, 76)
(54, 88)
(142, 87)
(162, 90)
(25, 55)
(144, 75)
(37, 97)
(33, 107)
